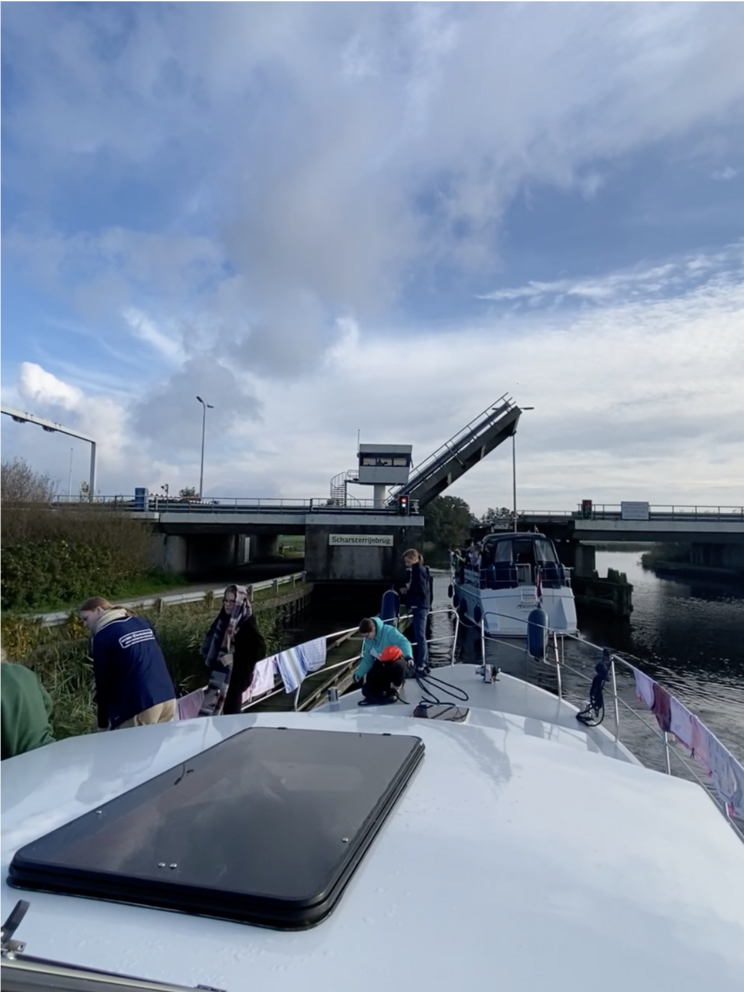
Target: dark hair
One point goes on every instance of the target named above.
(367, 626)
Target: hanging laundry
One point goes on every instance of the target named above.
(727, 774)
(662, 707)
(262, 682)
(297, 662)
(188, 706)
(313, 654)
(681, 723)
(644, 688)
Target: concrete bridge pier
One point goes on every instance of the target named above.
(580, 557)
(264, 546)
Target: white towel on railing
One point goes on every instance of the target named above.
(644, 688)
(297, 662)
(682, 723)
(262, 682)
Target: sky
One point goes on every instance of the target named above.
(335, 221)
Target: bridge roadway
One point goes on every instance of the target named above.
(683, 524)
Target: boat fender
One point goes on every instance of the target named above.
(449, 591)
(463, 608)
(477, 614)
(455, 601)
(537, 633)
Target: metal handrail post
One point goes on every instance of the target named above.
(483, 638)
(557, 666)
(614, 696)
(667, 757)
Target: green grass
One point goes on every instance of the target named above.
(292, 545)
(157, 581)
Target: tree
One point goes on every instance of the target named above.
(187, 492)
(20, 484)
(496, 518)
(448, 521)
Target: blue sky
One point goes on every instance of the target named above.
(326, 218)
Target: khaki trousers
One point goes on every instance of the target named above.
(162, 713)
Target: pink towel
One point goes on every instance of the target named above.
(262, 682)
(188, 706)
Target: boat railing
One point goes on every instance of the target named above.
(337, 638)
(479, 577)
(669, 751)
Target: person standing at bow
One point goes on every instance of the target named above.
(231, 649)
(417, 594)
(133, 684)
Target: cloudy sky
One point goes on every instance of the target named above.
(331, 218)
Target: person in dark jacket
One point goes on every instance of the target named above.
(26, 708)
(133, 684)
(417, 594)
(231, 648)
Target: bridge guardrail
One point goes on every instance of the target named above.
(227, 505)
(657, 512)
(177, 598)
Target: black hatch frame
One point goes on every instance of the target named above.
(267, 827)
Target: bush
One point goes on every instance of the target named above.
(59, 555)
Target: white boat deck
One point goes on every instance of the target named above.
(509, 860)
(506, 704)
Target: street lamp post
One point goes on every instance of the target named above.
(205, 407)
(514, 466)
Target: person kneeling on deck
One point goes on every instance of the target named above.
(133, 684)
(385, 655)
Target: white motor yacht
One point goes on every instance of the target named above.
(518, 572)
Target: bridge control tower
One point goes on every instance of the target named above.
(382, 465)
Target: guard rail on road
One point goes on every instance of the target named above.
(177, 598)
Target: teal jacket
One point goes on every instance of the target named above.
(373, 647)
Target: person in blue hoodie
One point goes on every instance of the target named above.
(383, 674)
(417, 594)
(133, 684)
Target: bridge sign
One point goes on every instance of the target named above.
(361, 540)
(634, 511)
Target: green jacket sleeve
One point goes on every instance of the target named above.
(26, 708)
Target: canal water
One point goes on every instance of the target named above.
(687, 635)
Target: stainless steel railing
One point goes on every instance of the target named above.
(557, 641)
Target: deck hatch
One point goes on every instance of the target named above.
(266, 827)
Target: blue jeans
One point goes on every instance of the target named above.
(420, 614)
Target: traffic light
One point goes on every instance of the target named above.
(403, 506)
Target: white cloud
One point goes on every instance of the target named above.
(642, 281)
(300, 168)
(41, 386)
(148, 331)
(722, 175)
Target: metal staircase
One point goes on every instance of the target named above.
(339, 491)
(464, 450)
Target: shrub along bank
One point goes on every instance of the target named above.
(56, 556)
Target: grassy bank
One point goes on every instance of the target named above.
(59, 655)
(156, 581)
